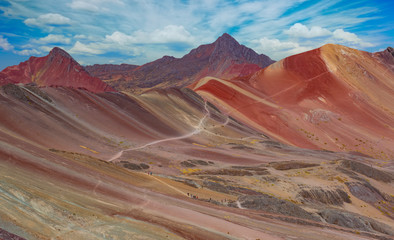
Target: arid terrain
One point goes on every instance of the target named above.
(301, 149)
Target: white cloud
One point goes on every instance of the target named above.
(349, 38)
(120, 38)
(300, 30)
(50, 19)
(80, 36)
(277, 49)
(4, 44)
(169, 34)
(53, 38)
(81, 48)
(45, 48)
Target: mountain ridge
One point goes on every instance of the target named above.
(223, 58)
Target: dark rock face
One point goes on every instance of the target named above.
(22, 93)
(287, 165)
(368, 171)
(134, 166)
(229, 172)
(9, 236)
(365, 192)
(56, 69)
(229, 189)
(223, 58)
(194, 162)
(271, 204)
(386, 57)
(215, 186)
(390, 50)
(319, 195)
(354, 221)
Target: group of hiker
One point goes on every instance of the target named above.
(192, 196)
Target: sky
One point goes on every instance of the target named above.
(137, 32)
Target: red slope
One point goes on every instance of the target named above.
(334, 97)
(58, 68)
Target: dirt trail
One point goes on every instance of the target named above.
(197, 129)
(172, 187)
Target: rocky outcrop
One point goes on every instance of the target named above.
(287, 165)
(386, 57)
(272, 204)
(215, 186)
(22, 93)
(7, 235)
(365, 192)
(57, 69)
(354, 221)
(320, 195)
(368, 171)
(195, 162)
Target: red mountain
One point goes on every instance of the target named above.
(333, 98)
(224, 58)
(58, 68)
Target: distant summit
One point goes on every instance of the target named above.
(58, 68)
(224, 58)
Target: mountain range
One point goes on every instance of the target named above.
(224, 58)
(222, 143)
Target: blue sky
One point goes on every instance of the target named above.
(136, 32)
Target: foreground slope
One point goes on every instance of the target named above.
(333, 98)
(73, 165)
(58, 68)
(224, 58)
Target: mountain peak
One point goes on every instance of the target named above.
(56, 51)
(226, 37)
(390, 50)
(58, 68)
(226, 40)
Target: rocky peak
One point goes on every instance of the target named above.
(390, 50)
(226, 42)
(226, 47)
(56, 51)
